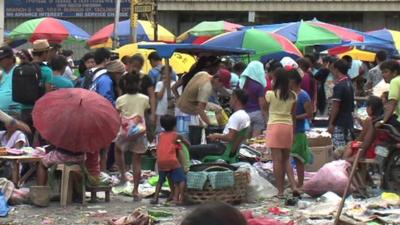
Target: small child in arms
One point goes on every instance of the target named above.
(170, 160)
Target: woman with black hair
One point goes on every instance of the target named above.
(281, 110)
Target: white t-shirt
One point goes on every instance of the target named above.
(162, 104)
(16, 137)
(237, 121)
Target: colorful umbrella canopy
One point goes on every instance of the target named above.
(266, 45)
(389, 35)
(12, 43)
(145, 32)
(355, 53)
(310, 33)
(206, 30)
(54, 30)
(76, 119)
(180, 62)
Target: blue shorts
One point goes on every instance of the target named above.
(177, 175)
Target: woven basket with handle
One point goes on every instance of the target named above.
(232, 195)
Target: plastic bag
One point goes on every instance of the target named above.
(212, 117)
(4, 209)
(259, 187)
(332, 177)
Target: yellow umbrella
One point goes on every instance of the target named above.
(181, 63)
(359, 55)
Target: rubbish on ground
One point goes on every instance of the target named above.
(331, 197)
(137, 217)
(278, 211)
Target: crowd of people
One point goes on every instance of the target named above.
(280, 98)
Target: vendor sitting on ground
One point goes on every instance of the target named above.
(367, 140)
(237, 122)
(12, 137)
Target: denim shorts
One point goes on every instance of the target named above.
(177, 175)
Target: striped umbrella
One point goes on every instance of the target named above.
(266, 45)
(314, 32)
(54, 30)
(144, 30)
(206, 30)
(389, 35)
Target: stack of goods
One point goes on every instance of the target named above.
(320, 143)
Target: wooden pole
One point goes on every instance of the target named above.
(346, 190)
(155, 18)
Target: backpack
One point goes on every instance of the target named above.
(26, 83)
(88, 78)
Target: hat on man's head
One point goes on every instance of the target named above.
(5, 52)
(224, 76)
(115, 66)
(41, 45)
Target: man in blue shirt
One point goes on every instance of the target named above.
(101, 80)
(156, 64)
(7, 65)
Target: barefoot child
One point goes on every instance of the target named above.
(130, 104)
(300, 150)
(170, 159)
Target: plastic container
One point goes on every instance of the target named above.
(148, 162)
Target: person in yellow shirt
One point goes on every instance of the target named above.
(281, 110)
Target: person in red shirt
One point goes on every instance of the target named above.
(170, 159)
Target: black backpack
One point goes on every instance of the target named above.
(88, 78)
(26, 83)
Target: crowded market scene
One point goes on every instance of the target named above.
(288, 123)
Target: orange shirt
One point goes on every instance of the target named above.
(167, 151)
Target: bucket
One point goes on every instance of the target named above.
(40, 195)
(148, 162)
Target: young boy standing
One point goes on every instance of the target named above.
(170, 159)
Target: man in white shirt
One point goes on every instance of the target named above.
(237, 122)
(375, 74)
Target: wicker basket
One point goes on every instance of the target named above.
(233, 195)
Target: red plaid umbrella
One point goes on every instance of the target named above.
(76, 119)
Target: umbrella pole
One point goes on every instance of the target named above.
(353, 170)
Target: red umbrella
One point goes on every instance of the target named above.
(76, 119)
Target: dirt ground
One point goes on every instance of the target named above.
(100, 213)
(92, 213)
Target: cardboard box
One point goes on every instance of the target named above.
(322, 155)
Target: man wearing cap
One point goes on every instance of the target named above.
(7, 64)
(40, 54)
(196, 94)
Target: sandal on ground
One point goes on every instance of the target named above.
(154, 201)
